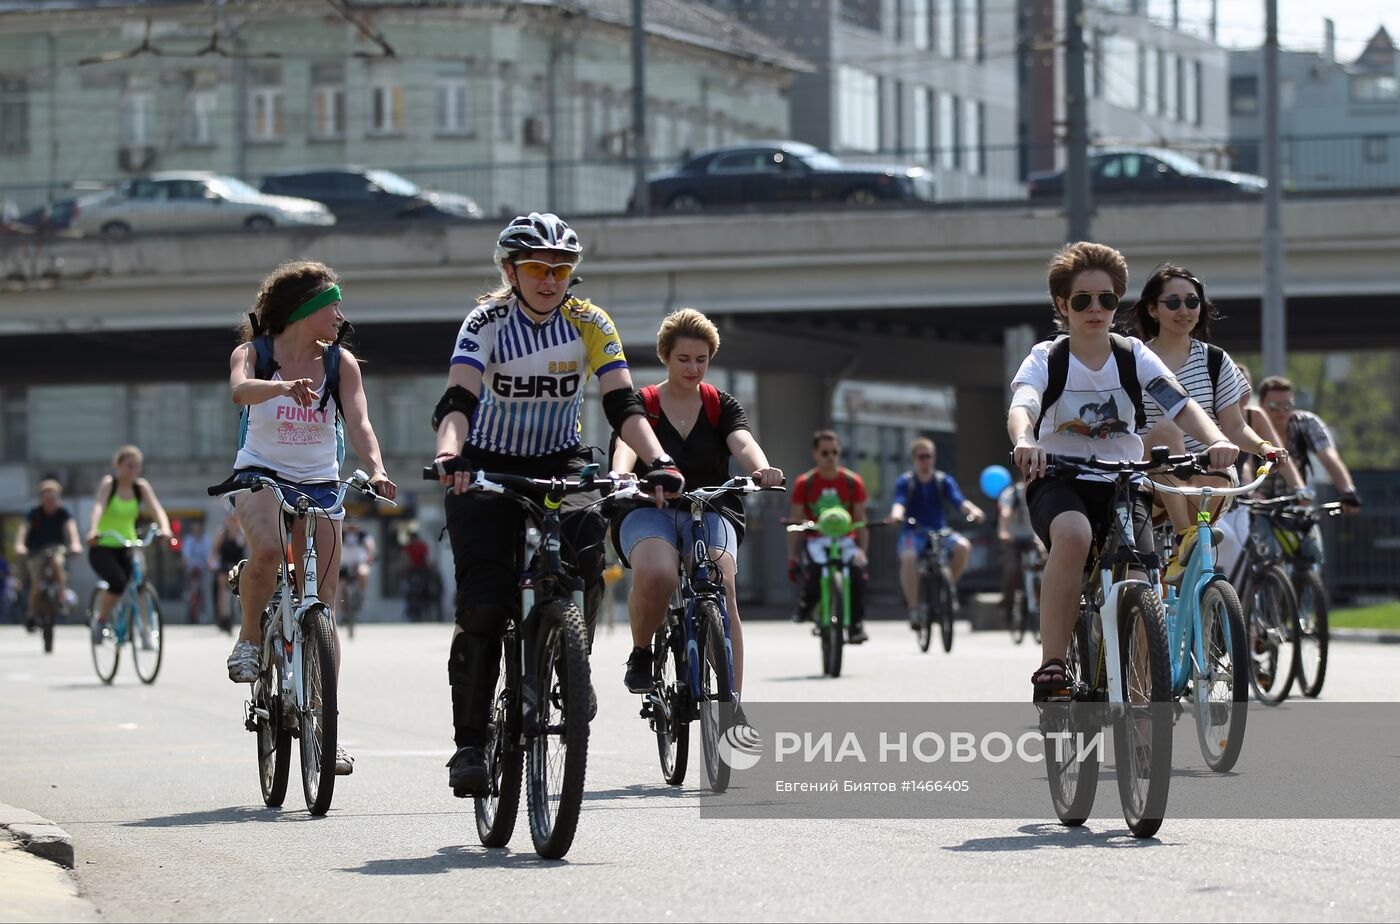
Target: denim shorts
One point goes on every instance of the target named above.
(321, 493)
(916, 541)
(675, 527)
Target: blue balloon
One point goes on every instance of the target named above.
(995, 479)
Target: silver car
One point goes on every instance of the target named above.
(190, 200)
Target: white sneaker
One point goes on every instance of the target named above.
(243, 662)
(344, 763)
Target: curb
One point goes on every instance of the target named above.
(38, 835)
(1375, 636)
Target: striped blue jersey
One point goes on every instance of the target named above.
(533, 375)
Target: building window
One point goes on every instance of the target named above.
(1244, 96)
(327, 101)
(946, 19)
(454, 110)
(1121, 68)
(1183, 90)
(972, 136)
(858, 93)
(863, 13)
(505, 104)
(1375, 88)
(386, 109)
(1198, 115)
(921, 24)
(949, 137)
(1167, 102)
(14, 115)
(199, 116)
(1375, 149)
(970, 28)
(897, 110)
(922, 128)
(138, 111)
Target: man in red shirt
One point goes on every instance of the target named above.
(826, 485)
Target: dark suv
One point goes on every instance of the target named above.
(359, 195)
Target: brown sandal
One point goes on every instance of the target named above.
(1051, 680)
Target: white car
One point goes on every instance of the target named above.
(190, 200)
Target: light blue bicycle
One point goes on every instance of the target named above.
(135, 619)
(1205, 629)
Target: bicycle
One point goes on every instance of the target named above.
(136, 618)
(1129, 689)
(1270, 612)
(194, 594)
(1206, 634)
(692, 656)
(295, 693)
(540, 712)
(834, 608)
(936, 583)
(1025, 606)
(51, 606)
(352, 597)
(1292, 524)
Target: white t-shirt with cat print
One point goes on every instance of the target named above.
(1094, 414)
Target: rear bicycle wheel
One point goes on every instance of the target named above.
(715, 691)
(1142, 734)
(106, 651)
(48, 610)
(496, 812)
(834, 635)
(1071, 757)
(274, 735)
(557, 758)
(670, 711)
(1020, 617)
(1311, 663)
(147, 634)
(945, 612)
(1271, 623)
(1221, 685)
(318, 718)
(926, 614)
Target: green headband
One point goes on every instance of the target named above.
(315, 304)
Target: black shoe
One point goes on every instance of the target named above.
(468, 775)
(30, 625)
(739, 718)
(638, 676)
(799, 617)
(856, 634)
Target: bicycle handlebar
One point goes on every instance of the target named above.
(250, 482)
(501, 482)
(630, 489)
(145, 541)
(1261, 474)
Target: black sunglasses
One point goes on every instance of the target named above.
(1081, 301)
(829, 452)
(1174, 302)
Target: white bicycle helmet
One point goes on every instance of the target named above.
(536, 231)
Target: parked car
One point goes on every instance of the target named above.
(188, 200)
(1128, 172)
(355, 194)
(781, 173)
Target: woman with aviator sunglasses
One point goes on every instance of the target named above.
(1084, 415)
(1173, 316)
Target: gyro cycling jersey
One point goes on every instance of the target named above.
(533, 375)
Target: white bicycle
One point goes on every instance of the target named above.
(295, 693)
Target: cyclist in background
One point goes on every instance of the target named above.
(227, 550)
(120, 498)
(46, 533)
(827, 485)
(358, 552)
(1308, 437)
(1016, 535)
(194, 555)
(923, 493)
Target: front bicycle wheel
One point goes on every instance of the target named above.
(496, 812)
(558, 753)
(945, 612)
(1020, 617)
(834, 632)
(318, 716)
(1142, 733)
(1271, 620)
(1311, 664)
(106, 649)
(1221, 685)
(926, 612)
(147, 634)
(269, 721)
(1070, 729)
(670, 710)
(715, 690)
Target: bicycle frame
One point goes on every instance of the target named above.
(1032, 565)
(130, 597)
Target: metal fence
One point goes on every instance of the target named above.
(1363, 550)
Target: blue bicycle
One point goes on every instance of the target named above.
(136, 619)
(1205, 627)
(692, 655)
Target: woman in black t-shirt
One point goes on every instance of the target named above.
(701, 428)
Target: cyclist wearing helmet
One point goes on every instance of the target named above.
(514, 394)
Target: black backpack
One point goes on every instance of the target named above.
(264, 366)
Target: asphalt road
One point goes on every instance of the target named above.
(158, 787)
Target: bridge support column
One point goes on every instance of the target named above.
(980, 418)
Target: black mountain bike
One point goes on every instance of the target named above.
(936, 592)
(50, 606)
(540, 710)
(1270, 613)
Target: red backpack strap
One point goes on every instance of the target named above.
(709, 397)
(651, 398)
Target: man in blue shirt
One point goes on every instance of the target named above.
(922, 494)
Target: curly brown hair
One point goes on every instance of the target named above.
(1080, 257)
(284, 289)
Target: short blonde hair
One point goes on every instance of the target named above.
(126, 452)
(688, 323)
(49, 484)
(922, 442)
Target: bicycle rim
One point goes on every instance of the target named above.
(319, 717)
(147, 635)
(497, 811)
(106, 651)
(1142, 737)
(1272, 619)
(1311, 663)
(671, 718)
(1071, 756)
(945, 615)
(714, 691)
(274, 738)
(1221, 685)
(558, 754)
(1019, 617)
(926, 614)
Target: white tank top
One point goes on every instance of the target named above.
(300, 444)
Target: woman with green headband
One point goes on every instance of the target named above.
(293, 432)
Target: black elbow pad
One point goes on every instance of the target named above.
(455, 398)
(622, 403)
